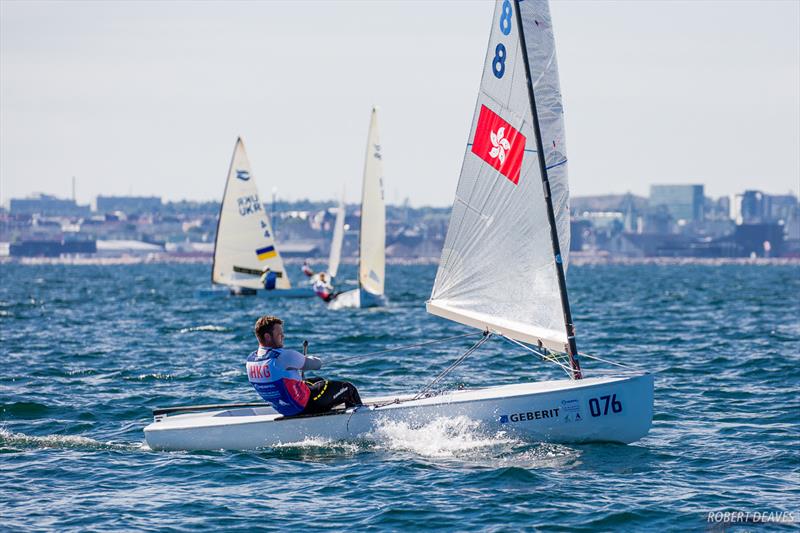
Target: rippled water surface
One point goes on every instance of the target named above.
(88, 351)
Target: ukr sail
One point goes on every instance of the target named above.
(244, 246)
(498, 266)
(372, 240)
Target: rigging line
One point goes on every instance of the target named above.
(405, 347)
(606, 361)
(541, 355)
(486, 336)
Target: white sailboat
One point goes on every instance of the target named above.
(335, 256)
(502, 272)
(372, 235)
(337, 240)
(245, 245)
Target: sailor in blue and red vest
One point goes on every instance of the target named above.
(274, 371)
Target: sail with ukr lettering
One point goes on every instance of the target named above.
(244, 245)
(498, 267)
(336, 241)
(372, 239)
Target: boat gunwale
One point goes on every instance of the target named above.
(260, 419)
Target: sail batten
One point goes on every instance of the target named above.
(244, 244)
(498, 267)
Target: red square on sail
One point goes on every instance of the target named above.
(499, 144)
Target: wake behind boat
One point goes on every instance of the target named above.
(246, 256)
(502, 271)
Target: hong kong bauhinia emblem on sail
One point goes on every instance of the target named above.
(499, 145)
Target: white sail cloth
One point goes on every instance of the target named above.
(497, 269)
(334, 258)
(372, 240)
(244, 244)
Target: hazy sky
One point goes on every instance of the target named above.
(147, 98)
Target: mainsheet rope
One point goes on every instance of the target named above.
(408, 346)
(485, 336)
(547, 356)
(443, 373)
(606, 361)
(542, 355)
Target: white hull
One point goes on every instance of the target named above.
(357, 298)
(223, 292)
(607, 409)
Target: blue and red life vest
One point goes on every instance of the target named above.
(278, 385)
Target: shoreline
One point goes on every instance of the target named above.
(575, 260)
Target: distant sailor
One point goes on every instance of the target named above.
(274, 371)
(323, 288)
(307, 270)
(268, 278)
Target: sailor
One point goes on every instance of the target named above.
(274, 371)
(268, 278)
(323, 288)
(307, 270)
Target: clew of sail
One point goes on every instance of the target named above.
(498, 267)
(336, 242)
(372, 240)
(244, 244)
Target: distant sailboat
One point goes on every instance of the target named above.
(372, 235)
(335, 256)
(501, 271)
(246, 257)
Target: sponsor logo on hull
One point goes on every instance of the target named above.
(530, 415)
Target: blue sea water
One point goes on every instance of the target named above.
(88, 351)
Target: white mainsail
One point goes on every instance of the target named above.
(336, 242)
(372, 240)
(498, 268)
(244, 245)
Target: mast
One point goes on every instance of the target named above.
(572, 348)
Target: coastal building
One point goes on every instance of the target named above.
(129, 204)
(684, 202)
(47, 205)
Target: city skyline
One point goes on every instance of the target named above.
(140, 99)
(266, 198)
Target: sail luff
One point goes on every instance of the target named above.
(334, 258)
(221, 206)
(559, 264)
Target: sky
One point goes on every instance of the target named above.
(148, 98)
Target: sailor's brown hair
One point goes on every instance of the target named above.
(264, 325)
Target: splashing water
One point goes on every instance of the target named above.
(442, 437)
(313, 443)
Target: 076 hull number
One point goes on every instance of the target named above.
(600, 406)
